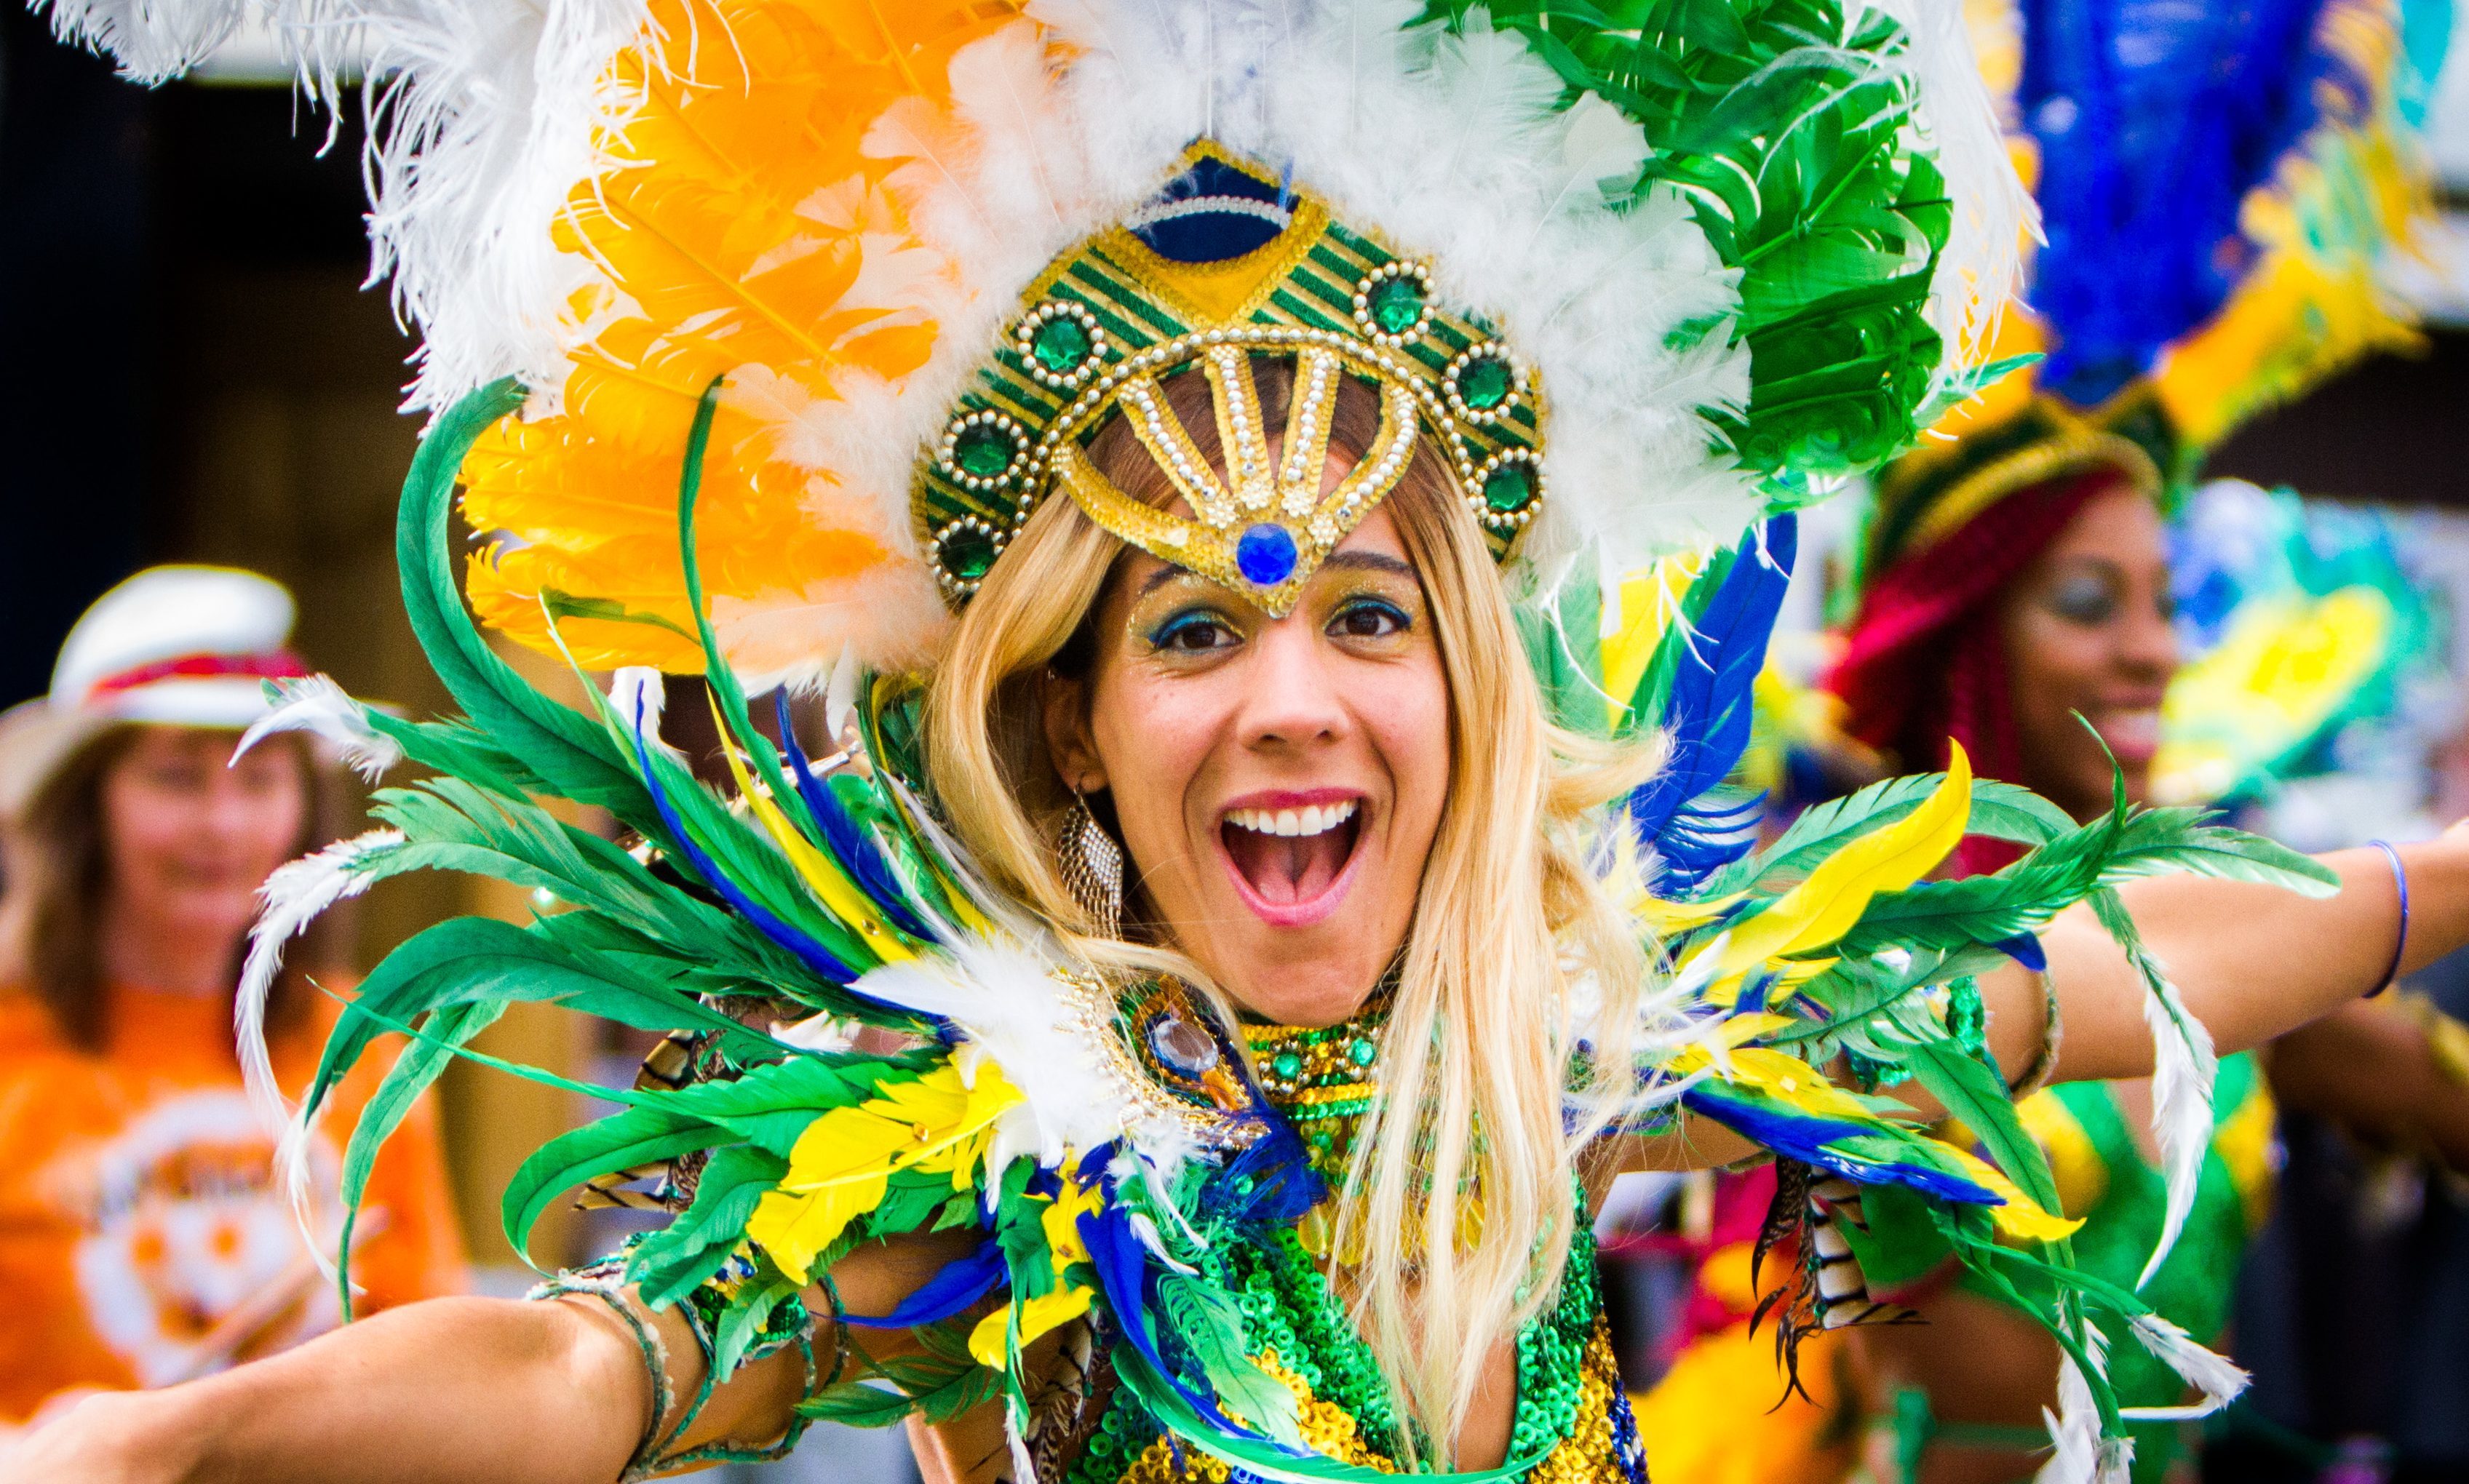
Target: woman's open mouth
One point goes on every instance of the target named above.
(1292, 856)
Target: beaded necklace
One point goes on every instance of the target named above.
(1324, 1079)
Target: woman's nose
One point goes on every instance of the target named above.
(1293, 696)
(2148, 646)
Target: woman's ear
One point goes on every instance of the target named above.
(1065, 704)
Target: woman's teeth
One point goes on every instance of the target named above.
(1310, 819)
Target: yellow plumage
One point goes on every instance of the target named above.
(841, 1167)
(741, 229)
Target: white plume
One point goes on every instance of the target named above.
(2183, 1066)
(316, 704)
(1008, 1002)
(151, 40)
(1979, 271)
(292, 898)
(2082, 1455)
(2220, 1382)
(638, 694)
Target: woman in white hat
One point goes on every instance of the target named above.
(141, 1239)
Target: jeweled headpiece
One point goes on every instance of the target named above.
(1227, 264)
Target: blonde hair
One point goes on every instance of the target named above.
(1510, 927)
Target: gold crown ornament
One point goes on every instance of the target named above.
(1229, 264)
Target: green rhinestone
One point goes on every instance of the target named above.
(966, 552)
(983, 450)
(1061, 344)
(1510, 488)
(1287, 1065)
(1484, 383)
(1396, 303)
(1362, 1051)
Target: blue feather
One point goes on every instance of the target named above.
(2155, 118)
(814, 956)
(1810, 1138)
(1709, 712)
(954, 1287)
(848, 844)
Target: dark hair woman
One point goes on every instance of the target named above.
(142, 1237)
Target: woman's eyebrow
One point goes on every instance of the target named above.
(1370, 560)
(1160, 577)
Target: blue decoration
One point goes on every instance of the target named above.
(2155, 119)
(1709, 712)
(1265, 554)
(1212, 213)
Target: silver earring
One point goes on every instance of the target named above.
(1092, 868)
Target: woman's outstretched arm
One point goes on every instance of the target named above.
(2251, 962)
(449, 1390)
(453, 1390)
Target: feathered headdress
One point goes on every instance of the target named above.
(906, 238)
(2224, 191)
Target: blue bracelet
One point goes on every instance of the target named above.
(2400, 879)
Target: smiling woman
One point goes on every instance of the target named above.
(1283, 788)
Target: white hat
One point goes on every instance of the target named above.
(178, 646)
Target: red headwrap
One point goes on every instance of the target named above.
(1925, 661)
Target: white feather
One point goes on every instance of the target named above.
(638, 694)
(1978, 272)
(1007, 1002)
(2220, 1382)
(292, 898)
(316, 704)
(151, 40)
(2081, 1455)
(2183, 1066)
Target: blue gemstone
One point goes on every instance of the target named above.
(1265, 554)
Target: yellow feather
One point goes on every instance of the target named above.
(739, 229)
(1826, 904)
(841, 1165)
(2020, 1217)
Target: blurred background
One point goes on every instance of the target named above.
(192, 369)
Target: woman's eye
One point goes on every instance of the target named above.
(1369, 618)
(1192, 633)
(2084, 600)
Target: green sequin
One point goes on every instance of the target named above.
(983, 450)
(1061, 344)
(1509, 487)
(967, 552)
(1396, 303)
(1483, 384)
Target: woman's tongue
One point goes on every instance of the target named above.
(1287, 869)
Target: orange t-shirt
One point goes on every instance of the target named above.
(143, 1237)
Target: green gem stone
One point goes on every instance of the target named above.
(1508, 488)
(1483, 384)
(1287, 1065)
(1061, 344)
(1396, 303)
(983, 450)
(966, 552)
(1362, 1051)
